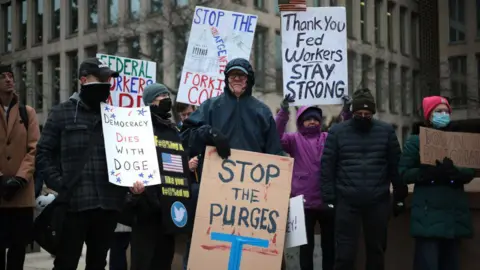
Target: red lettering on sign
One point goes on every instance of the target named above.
(198, 96)
(129, 139)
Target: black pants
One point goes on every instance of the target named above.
(151, 248)
(16, 226)
(348, 221)
(436, 254)
(96, 229)
(326, 220)
(118, 251)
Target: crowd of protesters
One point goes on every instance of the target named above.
(345, 174)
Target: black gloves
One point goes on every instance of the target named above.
(220, 142)
(431, 175)
(11, 185)
(347, 101)
(286, 101)
(453, 176)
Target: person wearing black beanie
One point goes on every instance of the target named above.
(360, 161)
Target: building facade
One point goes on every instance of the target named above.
(45, 41)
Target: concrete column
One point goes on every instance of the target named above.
(64, 20)
(30, 84)
(356, 25)
(408, 33)
(370, 20)
(65, 77)
(383, 23)
(30, 23)
(14, 22)
(47, 84)
(396, 28)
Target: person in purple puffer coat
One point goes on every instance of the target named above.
(306, 147)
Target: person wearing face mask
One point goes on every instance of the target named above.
(154, 227)
(359, 162)
(440, 215)
(306, 147)
(73, 127)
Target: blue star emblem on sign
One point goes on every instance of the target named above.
(179, 214)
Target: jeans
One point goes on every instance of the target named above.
(118, 251)
(16, 225)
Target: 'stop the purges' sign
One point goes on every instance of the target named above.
(242, 212)
(130, 146)
(216, 37)
(127, 90)
(314, 51)
(463, 148)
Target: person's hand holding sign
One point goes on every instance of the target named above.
(193, 164)
(137, 188)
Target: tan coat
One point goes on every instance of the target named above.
(17, 152)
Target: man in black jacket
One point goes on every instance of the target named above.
(360, 161)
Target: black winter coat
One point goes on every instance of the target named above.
(358, 166)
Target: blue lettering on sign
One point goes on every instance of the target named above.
(243, 22)
(237, 246)
(130, 84)
(208, 16)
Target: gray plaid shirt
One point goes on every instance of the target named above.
(66, 135)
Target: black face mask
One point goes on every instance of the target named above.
(362, 123)
(163, 108)
(95, 93)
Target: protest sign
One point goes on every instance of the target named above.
(135, 74)
(216, 37)
(129, 146)
(314, 53)
(296, 231)
(462, 148)
(242, 212)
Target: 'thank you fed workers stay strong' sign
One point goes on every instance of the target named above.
(242, 212)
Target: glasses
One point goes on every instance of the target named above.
(6, 75)
(237, 76)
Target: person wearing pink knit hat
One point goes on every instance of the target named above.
(440, 215)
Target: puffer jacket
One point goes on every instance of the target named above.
(358, 166)
(306, 147)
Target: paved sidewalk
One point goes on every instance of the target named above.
(44, 261)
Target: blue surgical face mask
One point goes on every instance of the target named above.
(440, 120)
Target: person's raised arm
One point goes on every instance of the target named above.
(281, 120)
(48, 149)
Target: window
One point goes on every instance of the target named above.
(156, 52)
(349, 7)
(405, 95)
(259, 55)
(458, 79)
(390, 8)
(379, 77)
(316, 3)
(181, 3)
(403, 30)
(478, 73)
(7, 22)
(378, 22)
(134, 9)
(156, 6)
(73, 62)
(133, 45)
(457, 20)
(91, 51)
(21, 82)
(414, 35)
(392, 89)
(38, 22)
(365, 71)
(259, 4)
(55, 22)
(112, 11)
(92, 19)
(38, 84)
(417, 95)
(73, 27)
(22, 35)
(111, 47)
(55, 79)
(278, 62)
(363, 20)
(181, 42)
(478, 18)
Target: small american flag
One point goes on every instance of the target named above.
(292, 5)
(172, 163)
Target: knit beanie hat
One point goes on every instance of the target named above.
(5, 68)
(152, 91)
(363, 99)
(430, 103)
(313, 112)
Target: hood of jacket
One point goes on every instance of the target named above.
(250, 77)
(303, 130)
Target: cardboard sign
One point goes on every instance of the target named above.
(296, 231)
(242, 211)
(135, 74)
(216, 37)
(314, 53)
(463, 148)
(130, 146)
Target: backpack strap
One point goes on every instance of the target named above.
(22, 109)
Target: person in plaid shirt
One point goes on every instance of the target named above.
(95, 203)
